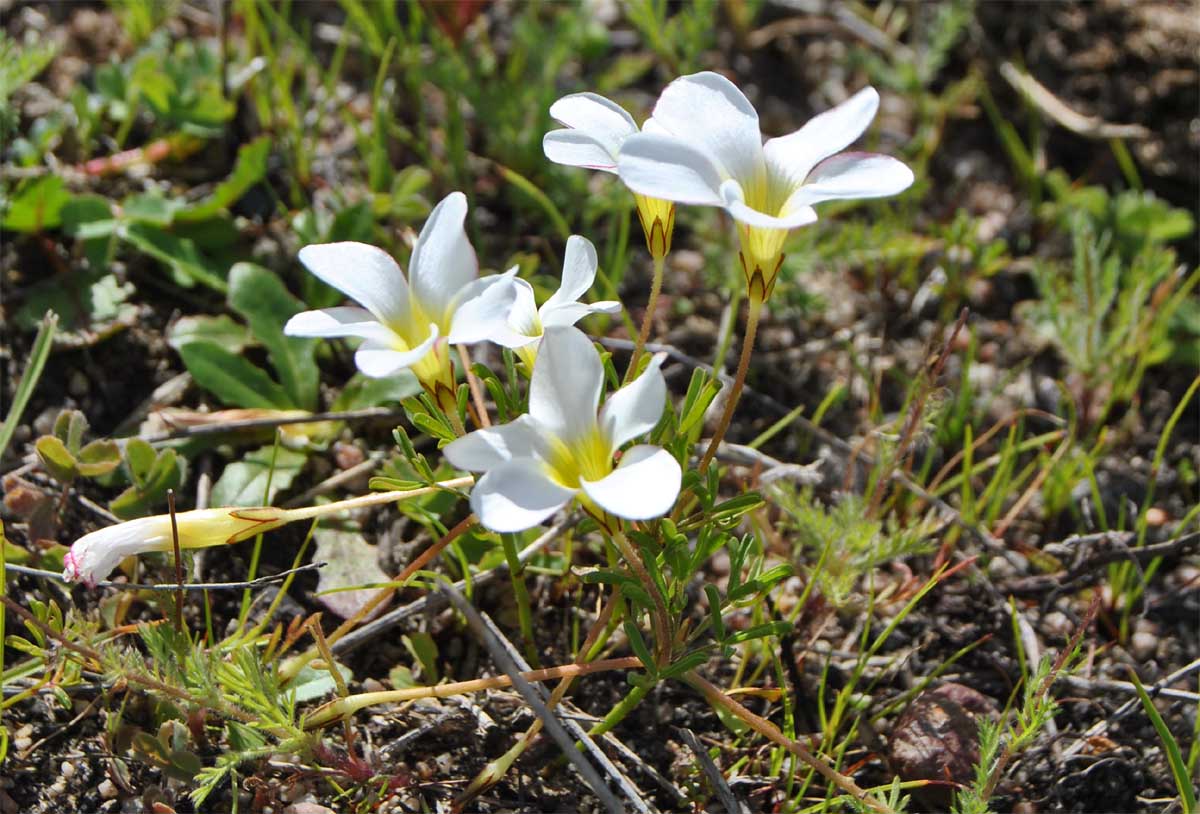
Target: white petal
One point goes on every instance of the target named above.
(379, 359)
(579, 271)
(94, 556)
(484, 317)
(736, 206)
(443, 260)
(853, 175)
(484, 449)
(523, 318)
(593, 114)
(644, 485)
(566, 382)
(636, 407)
(333, 322)
(517, 495)
(709, 112)
(364, 273)
(665, 167)
(575, 148)
(571, 312)
(793, 156)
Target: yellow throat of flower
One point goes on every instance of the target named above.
(761, 256)
(588, 458)
(658, 222)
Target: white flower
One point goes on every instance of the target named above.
(410, 323)
(595, 130)
(561, 448)
(94, 556)
(563, 308)
(702, 145)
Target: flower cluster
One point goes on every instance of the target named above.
(701, 145)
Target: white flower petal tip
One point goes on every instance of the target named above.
(517, 495)
(536, 464)
(596, 128)
(366, 274)
(644, 485)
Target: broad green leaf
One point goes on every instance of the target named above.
(139, 459)
(262, 300)
(222, 330)
(81, 297)
(36, 206)
(151, 208)
(166, 471)
(98, 458)
(89, 218)
(232, 379)
(178, 254)
(56, 458)
(250, 168)
(363, 391)
(244, 483)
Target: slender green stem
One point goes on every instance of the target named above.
(660, 619)
(648, 319)
(623, 707)
(739, 381)
(516, 572)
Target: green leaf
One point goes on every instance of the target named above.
(162, 472)
(244, 483)
(363, 391)
(223, 331)
(250, 168)
(98, 458)
(1179, 768)
(56, 458)
(638, 645)
(151, 208)
(69, 427)
(90, 218)
(232, 379)
(263, 301)
(36, 206)
(178, 254)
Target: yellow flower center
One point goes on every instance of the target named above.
(588, 458)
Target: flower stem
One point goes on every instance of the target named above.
(623, 707)
(476, 394)
(660, 619)
(342, 707)
(648, 319)
(768, 730)
(516, 572)
(739, 381)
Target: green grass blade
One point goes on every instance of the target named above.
(33, 372)
(1179, 770)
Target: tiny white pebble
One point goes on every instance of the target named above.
(67, 769)
(107, 789)
(22, 744)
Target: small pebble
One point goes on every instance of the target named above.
(1143, 645)
(67, 769)
(1156, 517)
(1057, 625)
(107, 789)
